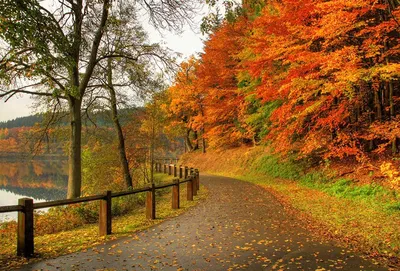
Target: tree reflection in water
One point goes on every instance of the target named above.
(42, 180)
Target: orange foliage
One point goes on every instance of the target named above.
(332, 65)
(319, 58)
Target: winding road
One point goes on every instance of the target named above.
(240, 226)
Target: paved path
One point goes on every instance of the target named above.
(239, 226)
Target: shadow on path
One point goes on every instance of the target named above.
(239, 226)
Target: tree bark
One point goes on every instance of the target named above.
(378, 105)
(196, 140)
(392, 114)
(203, 141)
(118, 129)
(188, 144)
(74, 161)
(75, 98)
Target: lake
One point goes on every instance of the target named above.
(42, 179)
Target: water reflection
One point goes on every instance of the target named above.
(42, 180)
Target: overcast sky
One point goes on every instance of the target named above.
(188, 43)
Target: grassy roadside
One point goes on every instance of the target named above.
(84, 237)
(366, 218)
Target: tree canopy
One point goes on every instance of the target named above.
(312, 77)
(53, 52)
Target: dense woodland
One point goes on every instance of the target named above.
(313, 78)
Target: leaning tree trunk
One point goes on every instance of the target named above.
(117, 125)
(74, 161)
(188, 144)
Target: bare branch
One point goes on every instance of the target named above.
(12, 92)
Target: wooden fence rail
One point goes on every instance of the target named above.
(26, 206)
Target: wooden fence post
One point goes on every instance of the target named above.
(180, 172)
(175, 194)
(175, 172)
(169, 169)
(25, 245)
(151, 203)
(165, 168)
(189, 188)
(105, 215)
(193, 174)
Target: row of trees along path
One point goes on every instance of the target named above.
(239, 226)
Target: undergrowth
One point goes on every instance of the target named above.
(374, 194)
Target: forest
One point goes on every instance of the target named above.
(315, 79)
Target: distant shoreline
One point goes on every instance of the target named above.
(29, 157)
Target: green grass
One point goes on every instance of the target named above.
(374, 195)
(272, 166)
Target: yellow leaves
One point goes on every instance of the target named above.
(244, 248)
(390, 71)
(393, 175)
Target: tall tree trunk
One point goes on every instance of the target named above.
(117, 126)
(391, 103)
(377, 104)
(187, 141)
(79, 87)
(392, 114)
(203, 141)
(74, 161)
(371, 144)
(152, 146)
(196, 140)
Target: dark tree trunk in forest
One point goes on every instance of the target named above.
(378, 106)
(196, 140)
(389, 89)
(118, 129)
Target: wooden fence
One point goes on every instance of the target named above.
(26, 206)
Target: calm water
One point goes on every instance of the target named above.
(42, 180)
